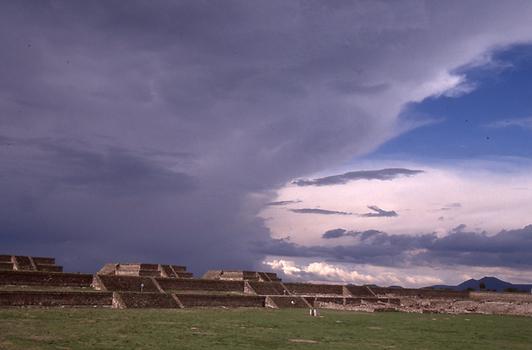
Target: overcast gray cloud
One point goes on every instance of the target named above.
(281, 203)
(512, 248)
(111, 171)
(378, 213)
(142, 131)
(383, 174)
(339, 232)
(319, 211)
(334, 233)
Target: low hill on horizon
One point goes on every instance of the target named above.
(487, 284)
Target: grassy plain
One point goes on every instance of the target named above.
(256, 329)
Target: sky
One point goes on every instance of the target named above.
(344, 141)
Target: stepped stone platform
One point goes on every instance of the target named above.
(127, 300)
(28, 263)
(27, 281)
(268, 288)
(359, 291)
(286, 302)
(46, 279)
(314, 289)
(145, 270)
(419, 293)
(193, 284)
(55, 298)
(125, 284)
(237, 275)
(323, 301)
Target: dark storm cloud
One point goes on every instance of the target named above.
(383, 174)
(151, 127)
(337, 233)
(110, 171)
(319, 211)
(512, 248)
(379, 213)
(281, 203)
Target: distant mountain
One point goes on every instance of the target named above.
(488, 284)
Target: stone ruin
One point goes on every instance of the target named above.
(38, 282)
(28, 263)
(235, 275)
(147, 270)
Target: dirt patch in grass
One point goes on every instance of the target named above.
(304, 341)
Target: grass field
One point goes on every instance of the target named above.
(256, 329)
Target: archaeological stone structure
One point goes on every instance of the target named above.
(27, 281)
(28, 263)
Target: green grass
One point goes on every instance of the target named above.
(256, 329)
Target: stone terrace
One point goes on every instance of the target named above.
(240, 275)
(125, 284)
(55, 298)
(28, 263)
(314, 289)
(173, 285)
(144, 300)
(268, 288)
(145, 270)
(45, 279)
(284, 302)
(28, 281)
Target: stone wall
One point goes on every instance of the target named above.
(314, 289)
(181, 274)
(349, 301)
(127, 284)
(34, 278)
(230, 275)
(28, 263)
(39, 298)
(167, 271)
(211, 274)
(6, 263)
(420, 293)
(40, 260)
(268, 288)
(239, 275)
(49, 268)
(318, 301)
(169, 284)
(179, 268)
(198, 300)
(506, 297)
(272, 276)
(359, 291)
(372, 300)
(107, 269)
(6, 266)
(285, 302)
(146, 300)
(23, 263)
(145, 270)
